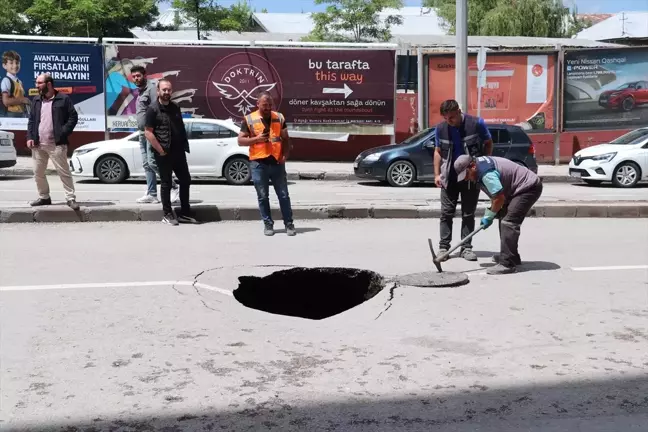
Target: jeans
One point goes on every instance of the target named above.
(262, 174)
(149, 165)
(510, 218)
(449, 197)
(175, 161)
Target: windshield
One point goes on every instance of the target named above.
(625, 86)
(417, 136)
(634, 137)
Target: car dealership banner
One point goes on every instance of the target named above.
(309, 86)
(77, 70)
(606, 88)
(519, 89)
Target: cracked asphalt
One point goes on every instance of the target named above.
(133, 327)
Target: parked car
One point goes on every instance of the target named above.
(214, 153)
(412, 160)
(623, 161)
(625, 97)
(7, 150)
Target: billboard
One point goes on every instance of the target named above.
(77, 70)
(606, 88)
(309, 86)
(519, 89)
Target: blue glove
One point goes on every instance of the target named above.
(488, 218)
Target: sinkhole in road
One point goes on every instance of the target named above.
(313, 293)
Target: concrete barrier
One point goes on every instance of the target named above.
(214, 213)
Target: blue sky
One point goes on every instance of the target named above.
(584, 6)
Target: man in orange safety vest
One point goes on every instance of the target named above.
(266, 133)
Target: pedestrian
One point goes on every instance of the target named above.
(513, 190)
(266, 133)
(51, 121)
(458, 134)
(164, 129)
(147, 92)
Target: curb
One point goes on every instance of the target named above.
(214, 213)
(296, 175)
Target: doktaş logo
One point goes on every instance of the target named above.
(236, 82)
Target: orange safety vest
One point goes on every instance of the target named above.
(268, 148)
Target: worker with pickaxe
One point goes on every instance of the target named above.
(513, 190)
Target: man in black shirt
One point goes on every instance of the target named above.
(166, 132)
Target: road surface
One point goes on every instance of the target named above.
(133, 327)
(17, 192)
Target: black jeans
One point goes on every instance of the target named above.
(469, 196)
(510, 218)
(262, 174)
(175, 161)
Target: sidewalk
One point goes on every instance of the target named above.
(310, 171)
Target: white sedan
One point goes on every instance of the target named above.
(7, 150)
(623, 161)
(214, 153)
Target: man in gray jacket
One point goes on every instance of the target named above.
(147, 94)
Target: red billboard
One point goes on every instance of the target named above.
(519, 89)
(309, 86)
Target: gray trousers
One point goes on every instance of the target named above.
(469, 193)
(510, 218)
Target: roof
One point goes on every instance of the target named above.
(594, 18)
(619, 26)
(416, 21)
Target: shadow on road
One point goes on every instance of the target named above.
(529, 266)
(611, 405)
(194, 181)
(376, 183)
(299, 230)
(13, 177)
(610, 186)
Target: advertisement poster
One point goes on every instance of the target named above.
(77, 70)
(518, 89)
(606, 88)
(309, 86)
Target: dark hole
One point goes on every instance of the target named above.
(313, 293)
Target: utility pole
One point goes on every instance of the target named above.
(461, 55)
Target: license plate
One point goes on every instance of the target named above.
(576, 174)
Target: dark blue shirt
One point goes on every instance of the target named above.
(457, 144)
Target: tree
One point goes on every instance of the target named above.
(539, 18)
(354, 21)
(82, 18)
(208, 15)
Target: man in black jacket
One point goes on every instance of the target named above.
(51, 121)
(164, 129)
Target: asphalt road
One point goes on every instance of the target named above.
(17, 192)
(132, 327)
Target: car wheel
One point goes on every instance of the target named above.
(627, 104)
(593, 182)
(111, 169)
(626, 175)
(401, 174)
(237, 171)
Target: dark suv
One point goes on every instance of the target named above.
(413, 159)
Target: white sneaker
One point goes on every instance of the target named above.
(148, 199)
(175, 195)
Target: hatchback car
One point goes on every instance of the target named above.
(623, 161)
(7, 150)
(412, 160)
(214, 153)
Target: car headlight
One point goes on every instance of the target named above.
(83, 151)
(607, 157)
(373, 157)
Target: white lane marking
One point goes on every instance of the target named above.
(114, 285)
(607, 268)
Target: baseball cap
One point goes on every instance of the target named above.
(461, 166)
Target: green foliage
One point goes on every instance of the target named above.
(534, 18)
(354, 21)
(208, 15)
(82, 18)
